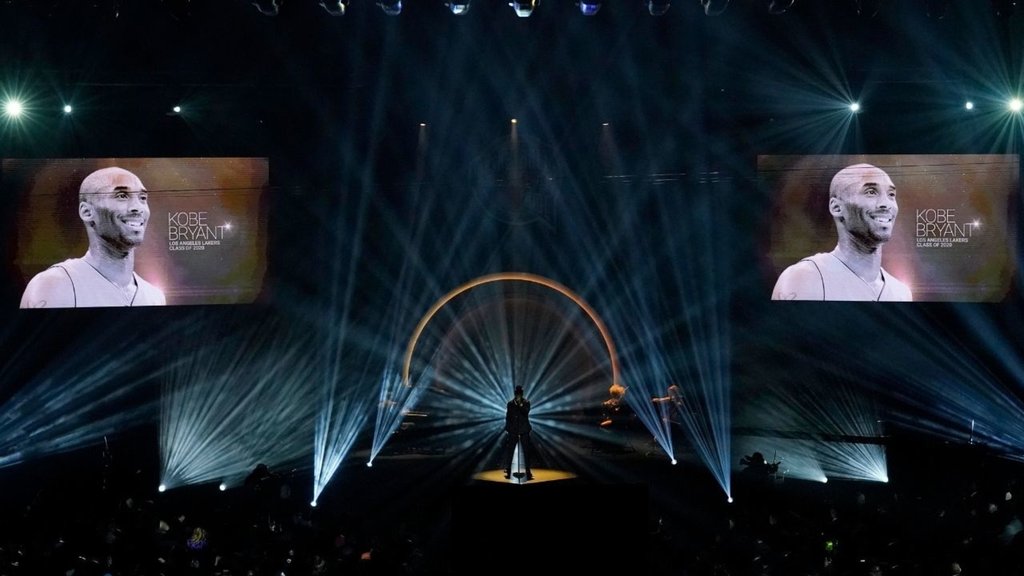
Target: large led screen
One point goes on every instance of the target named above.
(136, 231)
(890, 227)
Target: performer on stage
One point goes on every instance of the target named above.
(517, 431)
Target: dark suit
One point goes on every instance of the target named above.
(517, 430)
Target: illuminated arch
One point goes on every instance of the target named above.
(511, 277)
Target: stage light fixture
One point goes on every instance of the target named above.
(13, 108)
(161, 488)
(855, 107)
(458, 8)
(658, 7)
(969, 105)
(67, 108)
(780, 6)
(313, 504)
(1015, 105)
(391, 7)
(223, 487)
(268, 7)
(335, 7)
(588, 7)
(524, 9)
(714, 7)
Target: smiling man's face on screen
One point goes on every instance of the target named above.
(949, 234)
(115, 205)
(88, 235)
(865, 204)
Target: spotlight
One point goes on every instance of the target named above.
(524, 9)
(313, 504)
(658, 7)
(780, 6)
(458, 8)
(369, 464)
(335, 7)
(969, 105)
(176, 109)
(714, 7)
(854, 107)
(67, 108)
(161, 488)
(589, 7)
(268, 7)
(729, 499)
(1015, 105)
(223, 487)
(674, 462)
(391, 7)
(514, 121)
(824, 479)
(13, 108)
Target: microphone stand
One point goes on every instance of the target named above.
(519, 474)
